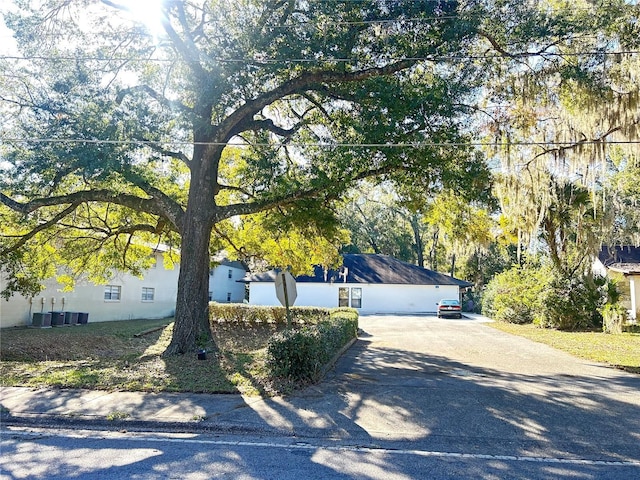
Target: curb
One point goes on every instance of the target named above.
(330, 364)
(85, 422)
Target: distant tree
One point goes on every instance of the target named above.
(621, 199)
(379, 223)
(462, 227)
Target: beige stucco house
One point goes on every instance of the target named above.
(623, 264)
(124, 297)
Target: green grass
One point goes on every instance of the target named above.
(114, 356)
(621, 351)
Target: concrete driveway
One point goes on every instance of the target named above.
(461, 386)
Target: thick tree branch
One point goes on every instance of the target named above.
(327, 191)
(160, 206)
(187, 48)
(303, 83)
(43, 226)
(267, 124)
(503, 51)
(601, 140)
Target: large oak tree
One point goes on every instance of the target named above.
(116, 138)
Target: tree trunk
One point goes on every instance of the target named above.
(191, 329)
(433, 259)
(453, 265)
(417, 236)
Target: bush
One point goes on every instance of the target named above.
(614, 316)
(301, 353)
(249, 314)
(515, 295)
(573, 303)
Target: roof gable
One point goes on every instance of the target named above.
(370, 268)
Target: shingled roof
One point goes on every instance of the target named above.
(624, 259)
(370, 268)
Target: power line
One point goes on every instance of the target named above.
(324, 144)
(254, 61)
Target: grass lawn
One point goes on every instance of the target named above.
(621, 351)
(127, 356)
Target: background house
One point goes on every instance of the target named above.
(623, 265)
(371, 283)
(225, 282)
(124, 297)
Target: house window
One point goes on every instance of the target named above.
(148, 294)
(356, 297)
(112, 293)
(228, 296)
(350, 297)
(230, 274)
(343, 297)
(211, 296)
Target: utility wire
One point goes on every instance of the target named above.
(323, 144)
(254, 61)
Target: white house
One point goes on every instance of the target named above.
(124, 297)
(369, 282)
(225, 282)
(622, 263)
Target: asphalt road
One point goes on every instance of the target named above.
(415, 397)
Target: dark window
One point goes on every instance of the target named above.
(343, 297)
(112, 292)
(356, 298)
(148, 294)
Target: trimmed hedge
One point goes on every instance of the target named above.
(249, 314)
(301, 353)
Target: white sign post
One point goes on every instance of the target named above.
(286, 292)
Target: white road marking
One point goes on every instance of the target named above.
(177, 438)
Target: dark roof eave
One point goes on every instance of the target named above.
(626, 269)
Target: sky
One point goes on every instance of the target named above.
(7, 44)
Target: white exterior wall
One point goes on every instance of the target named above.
(224, 286)
(375, 298)
(634, 287)
(88, 297)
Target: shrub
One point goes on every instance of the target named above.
(515, 295)
(573, 303)
(301, 353)
(614, 316)
(248, 314)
